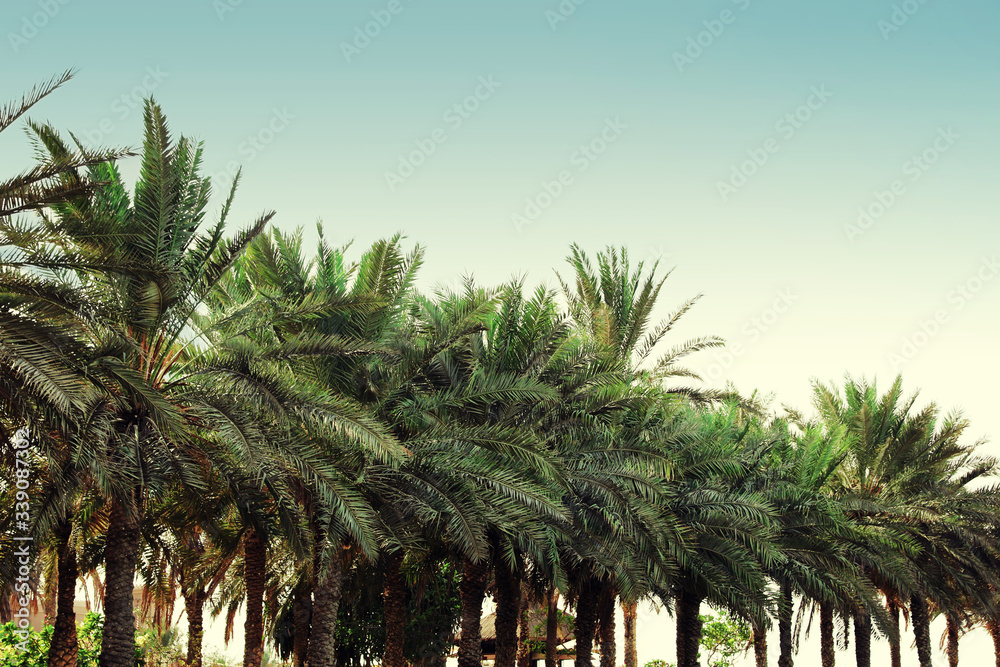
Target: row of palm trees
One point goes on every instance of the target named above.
(247, 424)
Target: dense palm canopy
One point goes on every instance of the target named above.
(300, 435)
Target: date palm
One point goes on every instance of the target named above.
(731, 525)
(131, 270)
(612, 305)
(908, 472)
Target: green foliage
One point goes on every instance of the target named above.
(723, 638)
(152, 648)
(658, 663)
(88, 637)
(33, 650)
(159, 648)
(18, 650)
(432, 616)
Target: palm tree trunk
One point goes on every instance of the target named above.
(552, 628)
(301, 612)
(921, 629)
(121, 552)
(254, 572)
(194, 609)
(50, 599)
(586, 623)
(993, 626)
(394, 599)
(863, 639)
(952, 642)
(63, 649)
(827, 651)
(759, 645)
(629, 613)
(472, 590)
(688, 628)
(606, 618)
(508, 598)
(785, 610)
(322, 651)
(524, 628)
(895, 658)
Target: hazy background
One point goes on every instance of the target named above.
(331, 115)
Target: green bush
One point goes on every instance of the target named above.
(33, 650)
(16, 650)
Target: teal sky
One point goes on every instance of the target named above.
(230, 70)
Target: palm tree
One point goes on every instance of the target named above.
(909, 475)
(732, 526)
(45, 184)
(132, 272)
(40, 384)
(613, 305)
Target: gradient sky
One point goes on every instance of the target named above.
(908, 105)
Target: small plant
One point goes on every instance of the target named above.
(159, 649)
(219, 659)
(18, 650)
(723, 638)
(658, 663)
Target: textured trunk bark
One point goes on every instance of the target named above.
(921, 629)
(475, 577)
(63, 649)
(629, 613)
(827, 651)
(863, 639)
(606, 618)
(785, 610)
(50, 600)
(895, 657)
(394, 599)
(524, 628)
(759, 645)
(254, 572)
(688, 628)
(322, 651)
(301, 612)
(194, 609)
(952, 642)
(121, 551)
(586, 623)
(508, 598)
(552, 628)
(993, 626)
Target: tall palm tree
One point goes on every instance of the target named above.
(614, 304)
(732, 526)
(909, 474)
(41, 384)
(133, 271)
